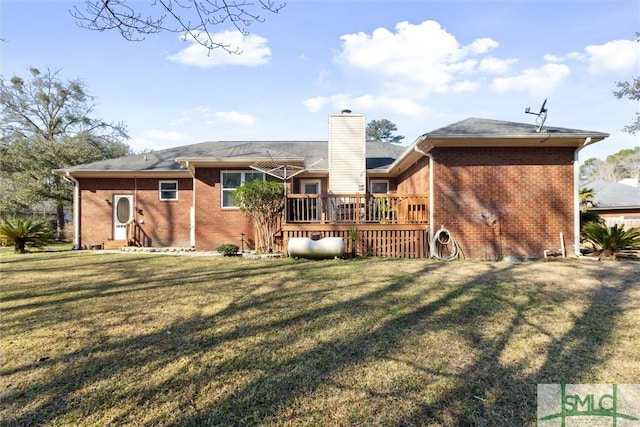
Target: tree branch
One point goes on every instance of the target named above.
(194, 18)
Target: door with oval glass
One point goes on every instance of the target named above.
(122, 214)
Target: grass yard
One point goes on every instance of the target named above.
(140, 339)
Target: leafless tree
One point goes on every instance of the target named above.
(136, 19)
(629, 166)
(623, 164)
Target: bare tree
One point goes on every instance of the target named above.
(628, 164)
(135, 19)
(595, 169)
(623, 164)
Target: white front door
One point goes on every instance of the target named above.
(122, 214)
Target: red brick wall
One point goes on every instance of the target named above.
(498, 202)
(166, 223)
(216, 226)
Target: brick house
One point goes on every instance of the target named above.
(615, 202)
(498, 188)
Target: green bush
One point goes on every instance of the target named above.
(264, 202)
(228, 249)
(610, 241)
(22, 232)
(587, 217)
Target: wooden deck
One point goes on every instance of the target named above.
(384, 225)
(357, 209)
(382, 240)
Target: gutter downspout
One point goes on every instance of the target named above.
(431, 203)
(192, 211)
(576, 198)
(76, 208)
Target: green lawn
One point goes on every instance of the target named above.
(140, 339)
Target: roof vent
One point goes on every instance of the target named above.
(346, 111)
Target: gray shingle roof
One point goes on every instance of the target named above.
(475, 127)
(613, 195)
(314, 153)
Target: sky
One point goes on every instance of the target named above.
(421, 64)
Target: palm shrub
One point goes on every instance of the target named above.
(586, 217)
(21, 232)
(610, 241)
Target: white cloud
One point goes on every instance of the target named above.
(236, 118)
(464, 86)
(425, 57)
(370, 103)
(322, 77)
(535, 80)
(253, 51)
(204, 115)
(557, 58)
(491, 65)
(553, 58)
(483, 45)
(316, 104)
(193, 115)
(616, 55)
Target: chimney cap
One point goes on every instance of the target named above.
(346, 111)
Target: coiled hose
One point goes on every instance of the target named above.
(443, 242)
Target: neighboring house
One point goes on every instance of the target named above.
(499, 188)
(614, 202)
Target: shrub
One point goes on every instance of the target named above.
(609, 241)
(21, 232)
(228, 249)
(586, 217)
(264, 202)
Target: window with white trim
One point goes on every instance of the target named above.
(379, 186)
(168, 190)
(230, 180)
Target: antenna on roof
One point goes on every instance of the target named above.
(542, 115)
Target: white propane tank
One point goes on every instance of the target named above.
(324, 248)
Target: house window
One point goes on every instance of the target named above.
(379, 186)
(168, 190)
(232, 180)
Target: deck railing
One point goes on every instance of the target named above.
(357, 209)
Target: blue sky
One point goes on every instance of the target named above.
(420, 64)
